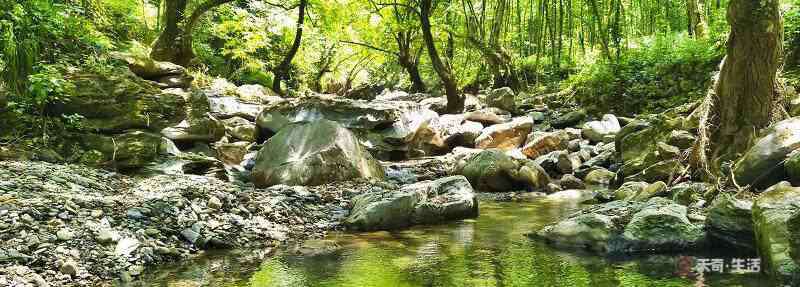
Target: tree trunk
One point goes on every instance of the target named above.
(745, 92)
(697, 22)
(455, 102)
(167, 46)
(408, 61)
(282, 71)
(175, 42)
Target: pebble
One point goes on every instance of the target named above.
(107, 236)
(214, 203)
(69, 267)
(27, 218)
(64, 234)
(152, 232)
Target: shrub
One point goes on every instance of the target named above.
(663, 72)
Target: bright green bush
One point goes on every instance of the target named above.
(663, 72)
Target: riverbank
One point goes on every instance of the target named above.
(67, 225)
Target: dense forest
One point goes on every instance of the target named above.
(399, 142)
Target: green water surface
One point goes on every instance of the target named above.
(491, 250)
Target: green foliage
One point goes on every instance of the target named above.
(664, 72)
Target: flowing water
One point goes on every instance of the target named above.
(491, 250)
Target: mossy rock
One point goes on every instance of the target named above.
(120, 101)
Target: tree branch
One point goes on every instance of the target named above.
(370, 47)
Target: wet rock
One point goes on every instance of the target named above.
(569, 119)
(730, 220)
(506, 136)
(502, 98)
(771, 211)
(627, 227)
(312, 154)
(661, 226)
(629, 189)
(598, 131)
(657, 188)
(494, 171)
(436, 201)
(600, 177)
(760, 165)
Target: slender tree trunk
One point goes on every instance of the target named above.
(282, 71)
(746, 93)
(697, 22)
(455, 102)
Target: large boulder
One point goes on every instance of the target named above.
(351, 114)
(129, 150)
(658, 225)
(426, 202)
(637, 143)
(506, 136)
(502, 98)
(495, 171)
(602, 130)
(771, 211)
(313, 153)
(417, 132)
(762, 164)
(792, 167)
(730, 220)
(661, 225)
(115, 102)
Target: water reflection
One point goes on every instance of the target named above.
(491, 250)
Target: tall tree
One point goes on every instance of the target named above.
(174, 44)
(745, 96)
(282, 71)
(455, 101)
(697, 21)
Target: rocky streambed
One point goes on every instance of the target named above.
(227, 167)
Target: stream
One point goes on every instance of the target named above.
(491, 250)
